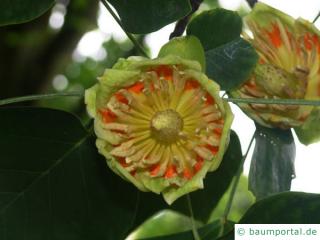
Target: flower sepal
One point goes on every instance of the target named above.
(309, 132)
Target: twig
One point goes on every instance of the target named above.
(193, 224)
(39, 96)
(252, 2)
(182, 23)
(129, 35)
(316, 18)
(236, 181)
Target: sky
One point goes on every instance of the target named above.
(307, 158)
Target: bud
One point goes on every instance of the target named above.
(289, 67)
(160, 123)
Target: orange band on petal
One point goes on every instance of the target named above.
(164, 71)
(122, 161)
(108, 116)
(187, 174)
(218, 131)
(209, 100)
(121, 98)
(154, 170)
(275, 36)
(171, 172)
(199, 164)
(191, 84)
(212, 149)
(137, 88)
(261, 61)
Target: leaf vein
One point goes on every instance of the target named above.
(45, 173)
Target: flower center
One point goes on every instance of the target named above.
(166, 126)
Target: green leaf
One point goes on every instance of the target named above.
(215, 184)
(231, 64)
(272, 165)
(285, 208)
(309, 132)
(54, 184)
(145, 16)
(185, 47)
(229, 59)
(215, 27)
(210, 231)
(166, 222)
(19, 11)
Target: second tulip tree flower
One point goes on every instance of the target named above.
(160, 123)
(289, 67)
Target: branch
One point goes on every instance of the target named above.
(252, 2)
(316, 18)
(182, 23)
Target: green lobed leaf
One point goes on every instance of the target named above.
(210, 231)
(19, 11)
(54, 184)
(145, 16)
(188, 47)
(215, 184)
(231, 64)
(309, 132)
(272, 165)
(285, 208)
(215, 27)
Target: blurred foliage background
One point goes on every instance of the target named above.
(41, 56)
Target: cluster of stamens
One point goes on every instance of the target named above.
(294, 58)
(164, 125)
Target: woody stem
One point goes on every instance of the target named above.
(183, 22)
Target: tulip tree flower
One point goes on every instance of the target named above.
(289, 67)
(159, 123)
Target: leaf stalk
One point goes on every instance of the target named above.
(39, 97)
(274, 101)
(193, 224)
(236, 181)
(129, 35)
